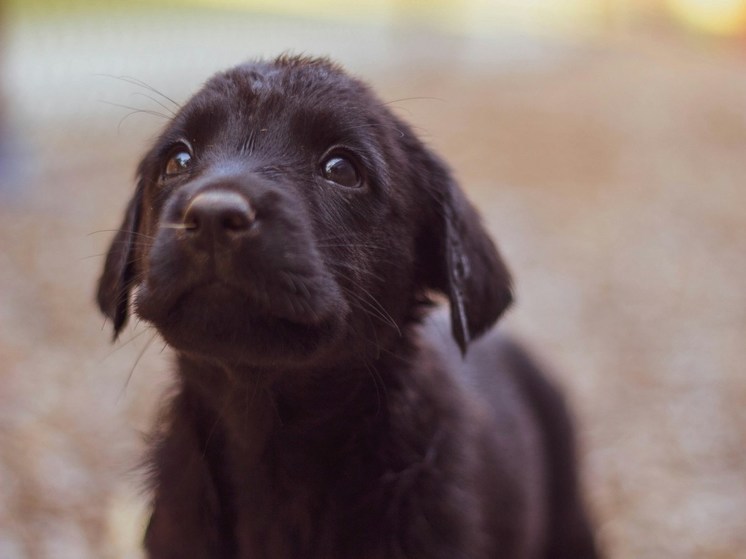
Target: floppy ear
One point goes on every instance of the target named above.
(116, 280)
(464, 263)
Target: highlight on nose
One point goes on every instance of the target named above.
(220, 213)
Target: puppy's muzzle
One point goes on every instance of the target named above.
(218, 216)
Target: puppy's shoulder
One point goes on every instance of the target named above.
(497, 373)
(494, 353)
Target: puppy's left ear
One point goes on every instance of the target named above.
(116, 281)
(462, 261)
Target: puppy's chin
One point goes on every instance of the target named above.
(217, 322)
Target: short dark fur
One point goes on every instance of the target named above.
(319, 413)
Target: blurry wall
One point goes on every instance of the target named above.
(602, 140)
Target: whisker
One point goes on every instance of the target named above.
(350, 245)
(376, 310)
(134, 366)
(121, 345)
(377, 381)
(343, 238)
(137, 233)
(374, 307)
(218, 418)
(135, 110)
(175, 226)
(402, 99)
(135, 81)
(358, 269)
(156, 101)
(376, 343)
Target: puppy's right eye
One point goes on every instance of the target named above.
(178, 163)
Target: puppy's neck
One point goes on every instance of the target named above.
(252, 407)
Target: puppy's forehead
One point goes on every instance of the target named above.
(309, 93)
(288, 106)
(314, 77)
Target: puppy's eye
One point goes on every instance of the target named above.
(178, 163)
(340, 170)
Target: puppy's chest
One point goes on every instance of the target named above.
(360, 488)
(316, 510)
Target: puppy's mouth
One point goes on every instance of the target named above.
(287, 296)
(252, 326)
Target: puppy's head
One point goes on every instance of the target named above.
(285, 216)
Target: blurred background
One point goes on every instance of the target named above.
(604, 142)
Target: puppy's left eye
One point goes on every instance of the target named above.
(341, 170)
(178, 163)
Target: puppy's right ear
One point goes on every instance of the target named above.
(119, 270)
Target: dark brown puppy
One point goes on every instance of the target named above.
(284, 236)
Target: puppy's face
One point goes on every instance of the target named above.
(285, 216)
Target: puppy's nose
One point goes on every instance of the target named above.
(220, 214)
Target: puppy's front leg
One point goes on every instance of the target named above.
(186, 522)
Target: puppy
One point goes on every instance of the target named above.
(285, 238)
